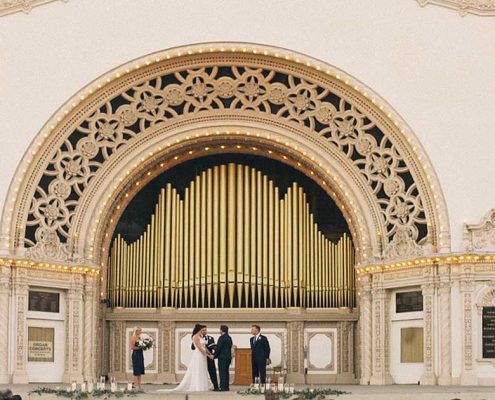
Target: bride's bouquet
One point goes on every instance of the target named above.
(145, 343)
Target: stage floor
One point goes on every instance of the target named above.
(355, 392)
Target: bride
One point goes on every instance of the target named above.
(196, 377)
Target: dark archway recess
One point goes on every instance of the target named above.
(137, 214)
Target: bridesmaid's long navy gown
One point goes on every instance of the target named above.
(137, 362)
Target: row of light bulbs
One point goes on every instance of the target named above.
(429, 261)
(224, 48)
(19, 262)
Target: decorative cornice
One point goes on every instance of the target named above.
(71, 268)
(480, 236)
(448, 259)
(464, 7)
(25, 6)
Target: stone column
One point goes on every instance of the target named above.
(166, 351)
(468, 377)
(428, 377)
(5, 287)
(295, 365)
(444, 294)
(74, 332)
(21, 290)
(90, 345)
(365, 328)
(380, 323)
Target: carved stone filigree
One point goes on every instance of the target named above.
(244, 86)
(428, 290)
(5, 322)
(403, 246)
(25, 6)
(464, 7)
(481, 236)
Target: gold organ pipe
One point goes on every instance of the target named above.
(259, 236)
(252, 267)
(247, 233)
(264, 217)
(271, 242)
(276, 247)
(223, 233)
(240, 232)
(185, 250)
(203, 239)
(231, 231)
(283, 253)
(197, 243)
(209, 236)
(166, 243)
(190, 247)
(216, 247)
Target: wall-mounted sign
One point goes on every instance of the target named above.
(40, 344)
(44, 301)
(408, 301)
(488, 332)
(411, 345)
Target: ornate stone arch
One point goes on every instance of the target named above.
(180, 102)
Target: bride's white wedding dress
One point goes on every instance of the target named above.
(196, 377)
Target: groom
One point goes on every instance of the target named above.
(224, 354)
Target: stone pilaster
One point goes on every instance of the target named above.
(5, 287)
(21, 291)
(74, 331)
(444, 295)
(295, 365)
(380, 323)
(345, 333)
(428, 377)
(116, 345)
(468, 377)
(90, 345)
(365, 329)
(166, 352)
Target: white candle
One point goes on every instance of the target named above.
(129, 386)
(90, 386)
(73, 386)
(83, 387)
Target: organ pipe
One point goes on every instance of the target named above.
(232, 240)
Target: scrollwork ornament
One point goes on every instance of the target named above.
(210, 88)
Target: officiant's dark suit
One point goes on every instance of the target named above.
(260, 354)
(224, 355)
(212, 369)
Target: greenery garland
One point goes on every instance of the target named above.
(305, 394)
(78, 395)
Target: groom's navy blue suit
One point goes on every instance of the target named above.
(260, 352)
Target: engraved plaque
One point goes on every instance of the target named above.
(40, 344)
(44, 301)
(488, 332)
(408, 301)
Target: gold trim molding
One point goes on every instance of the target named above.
(451, 259)
(464, 7)
(13, 6)
(51, 266)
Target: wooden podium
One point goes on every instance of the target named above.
(243, 368)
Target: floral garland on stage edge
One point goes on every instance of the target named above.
(305, 394)
(78, 395)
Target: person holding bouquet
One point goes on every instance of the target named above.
(137, 358)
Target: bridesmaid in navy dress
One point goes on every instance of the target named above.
(137, 359)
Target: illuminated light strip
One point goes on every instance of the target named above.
(25, 263)
(426, 261)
